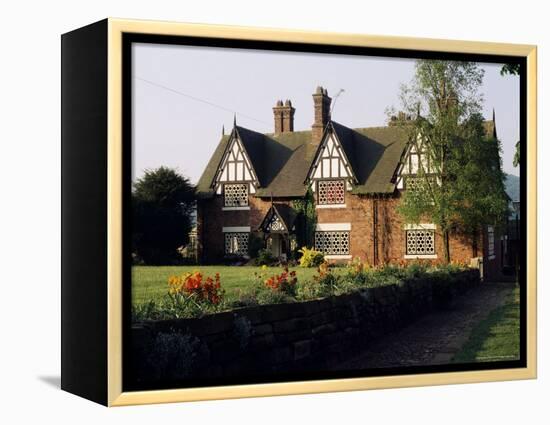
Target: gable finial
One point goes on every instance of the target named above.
(235, 119)
(223, 130)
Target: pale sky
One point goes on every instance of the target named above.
(175, 88)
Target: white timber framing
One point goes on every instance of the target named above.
(415, 161)
(331, 162)
(235, 166)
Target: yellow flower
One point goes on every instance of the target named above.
(264, 267)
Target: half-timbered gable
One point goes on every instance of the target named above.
(273, 222)
(235, 176)
(331, 173)
(331, 161)
(416, 164)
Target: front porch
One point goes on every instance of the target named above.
(278, 231)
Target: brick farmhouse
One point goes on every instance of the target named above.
(252, 182)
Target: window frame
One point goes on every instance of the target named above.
(330, 205)
(233, 234)
(420, 228)
(332, 255)
(247, 186)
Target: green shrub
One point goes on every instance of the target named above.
(310, 257)
(265, 258)
(174, 306)
(308, 290)
(246, 298)
(268, 296)
(324, 284)
(415, 270)
(255, 244)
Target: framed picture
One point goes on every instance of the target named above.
(251, 212)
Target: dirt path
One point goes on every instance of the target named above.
(434, 339)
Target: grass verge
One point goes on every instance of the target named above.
(496, 338)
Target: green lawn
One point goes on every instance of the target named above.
(151, 282)
(495, 338)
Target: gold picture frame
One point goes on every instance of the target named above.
(116, 28)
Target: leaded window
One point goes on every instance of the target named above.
(236, 243)
(332, 242)
(419, 183)
(330, 192)
(235, 195)
(413, 183)
(420, 242)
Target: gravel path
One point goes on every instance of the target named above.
(434, 339)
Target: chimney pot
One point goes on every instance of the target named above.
(283, 116)
(321, 105)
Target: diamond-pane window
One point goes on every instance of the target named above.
(275, 224)
(332, 242)
(235, 195)
(331, 192)
(420, 242)
(419, 183)
(236, 243)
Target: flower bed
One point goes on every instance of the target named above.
(194, 295)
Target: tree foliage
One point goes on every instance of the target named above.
(516, 160)
(510, 68)
(306, 219)
(162, 206)
(463, 189)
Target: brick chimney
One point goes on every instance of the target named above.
(321, 105)
(283, 116)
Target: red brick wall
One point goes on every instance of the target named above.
(389, 232)
(359, 211)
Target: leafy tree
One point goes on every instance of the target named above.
(479, 186)
(516, 154)
(463, 189)
(510, 68)
(306, 219)
(162, 204)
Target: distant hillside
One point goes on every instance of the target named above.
(512, 186)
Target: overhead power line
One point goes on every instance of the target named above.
(198, 99)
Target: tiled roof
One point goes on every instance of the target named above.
(282, 161)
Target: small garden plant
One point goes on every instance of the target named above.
(204, 291)
(284, 282)
(265, 258)
(189, 295)
(310, 257)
